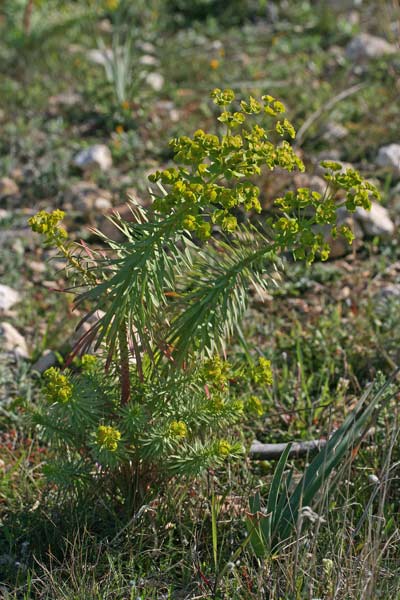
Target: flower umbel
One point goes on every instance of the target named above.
(58, 387)
(216, 371)
(88, 363)
(262, 373)
(254, 406)
(112, 4)
(224, 448)
(107, 437)
(178, 430)
(48, 225)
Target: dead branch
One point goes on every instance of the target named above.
(259, 451)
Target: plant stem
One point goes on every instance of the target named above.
(124, 364)
(27, 17)
(87, 275)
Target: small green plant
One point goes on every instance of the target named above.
(119, 66)
(270, 526)
(176, 423)
(123, 63)
(173, 293)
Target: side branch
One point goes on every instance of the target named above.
(259, 451)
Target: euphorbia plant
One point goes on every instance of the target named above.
(172, 293)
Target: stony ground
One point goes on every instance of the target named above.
(85, 116)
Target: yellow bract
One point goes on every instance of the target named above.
(48, 225)
(263, 372)
(58, 387)
(108, 437)
(224, 447)
(178, 430)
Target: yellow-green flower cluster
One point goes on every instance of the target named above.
(216, 371)
(197, 190)
(232, 119)
(178, 430)
(111, 4)
(285, 127)
(88, 363)
(222, 97)
(211, 180)
(304, 209)
(47, 224)
(58, 387)
(359, 191)
(108, 437)
(254, 406)
(298, 235)
(272, 106)
(223, 448)
(262, 373)
(251, 107)
(345, 231)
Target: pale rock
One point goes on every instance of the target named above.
(47, 360)
(8, 297)
(37, 266)
(147, 60)
(155, 81)
(365, 47)
(100, 57)
(96, 156)
(146, 47)
(329, 154)
(67, 99)
(174, 115)
(244, 58)
(389, 157)
(8, 187)
(11, 341)
(105, 26)
(334, 132)
(198, 38)
(167, 109)
(216, 45)
(389, 292)
(375, 222)
(102, 204)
